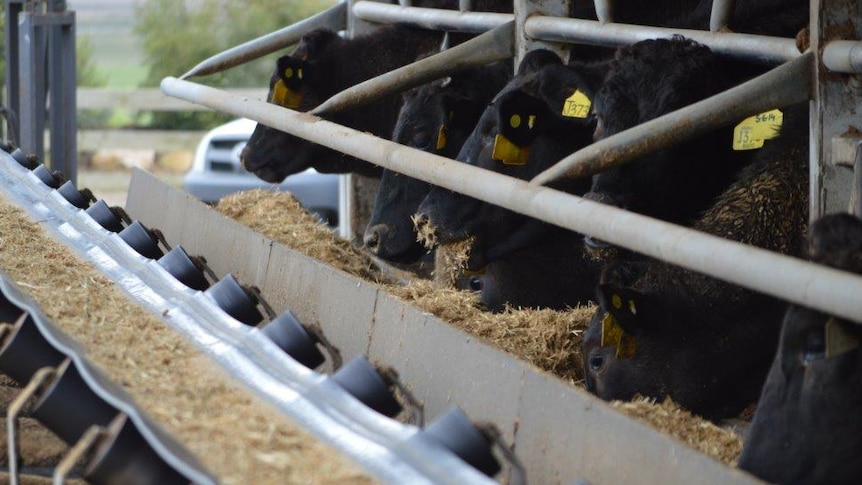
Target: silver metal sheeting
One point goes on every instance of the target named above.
(392, 452)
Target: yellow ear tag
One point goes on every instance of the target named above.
(284, 96)
(754, 130)
(441, 138)
(577, 105)
(613, 334)
(507, 152)
(838, 339)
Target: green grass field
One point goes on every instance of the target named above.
(118, 58)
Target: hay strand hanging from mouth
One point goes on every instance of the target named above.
(426, 234)
(450, 261)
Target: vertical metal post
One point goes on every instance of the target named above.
(833, 113)
(722, 14)
(604, 10)
(353, 190)
(527, 8)
(13, 9)
(31, 85)
(62, 86)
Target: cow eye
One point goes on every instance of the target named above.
(476, 283)
(421, 140)
(596, 362)
(814, 347)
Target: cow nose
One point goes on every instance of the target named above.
(372, 236)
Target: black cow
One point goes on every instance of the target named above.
(437, 118)
(527, 262)
(323, 65)
(807, 428)
(664, 331)
(520, 134)
(649, 79)
(677, 184)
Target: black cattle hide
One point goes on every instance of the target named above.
(703, 342)
(807, 428)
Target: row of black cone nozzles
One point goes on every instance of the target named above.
(65, 404)
(372, 385)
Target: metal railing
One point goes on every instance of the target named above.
(826, 289)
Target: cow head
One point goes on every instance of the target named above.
(436, 118)
(622, 344)
(531, 124)
(652, 335)
(807, 424)
(647, 80)
(298, 83)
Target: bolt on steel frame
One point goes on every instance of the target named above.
(828, 74)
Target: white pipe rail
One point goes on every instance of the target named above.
(430, 18)
(826, 289)
(334, 18)
(761, 48)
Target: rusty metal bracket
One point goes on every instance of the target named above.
(91, 438)
(41, 379)
(517, 475)
(417, 409)
(317, 334)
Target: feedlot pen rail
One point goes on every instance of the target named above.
(826, 74)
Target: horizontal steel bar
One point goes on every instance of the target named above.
(494, 45)
(759, 48)
(815, 286)
(844, 56)
(783, 86)
(429, 18)
(334, 18)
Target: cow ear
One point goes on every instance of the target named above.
(314, 43)
(521, 117)
(626, 306)
(535, 60)
(293, 72)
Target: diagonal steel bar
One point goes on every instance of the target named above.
(783, 86)
(334, 18)
(494, 45)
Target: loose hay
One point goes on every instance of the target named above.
(548, 339)
(425, 232)
(722, 444)
(280, 216)
(450, 260)
(234, 434)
